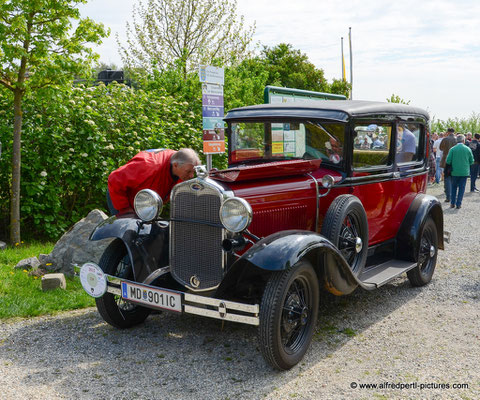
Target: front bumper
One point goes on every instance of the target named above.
(191, 303)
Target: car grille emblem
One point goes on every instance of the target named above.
(194, 281)
(196, 187)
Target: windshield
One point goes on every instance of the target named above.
(272, 141)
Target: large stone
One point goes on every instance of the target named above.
(3, 245)
(53, 281)
(28, 263)
(74, 246)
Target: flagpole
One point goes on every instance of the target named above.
(343, 62)
(351, 62)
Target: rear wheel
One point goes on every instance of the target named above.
(346, 226)
(114, 310)
(288, 314)
(427, 255)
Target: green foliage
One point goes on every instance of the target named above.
(397, 99)
(290, 68)
(21, 295)
(37, 39)
(73, 138)
(462, 125)
(167, 33)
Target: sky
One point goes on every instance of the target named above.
(425, 51)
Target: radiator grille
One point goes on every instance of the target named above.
(196, 235)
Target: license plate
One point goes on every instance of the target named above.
(152, 297)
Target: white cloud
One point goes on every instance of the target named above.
(426, 51)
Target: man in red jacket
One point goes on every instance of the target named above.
(158, 170)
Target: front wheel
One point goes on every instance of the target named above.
(114, 310)
(288, 315)
(427, 255)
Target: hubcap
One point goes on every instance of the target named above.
(358, 245)
(432, 251)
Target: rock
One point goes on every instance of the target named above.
(28, 263)
(38, 272)
(53, 281)
(3, 245)
(74, 246)
(44, 258)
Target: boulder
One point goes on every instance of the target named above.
(74, 246)
(53, 281)
(28, 263)
(3, 245)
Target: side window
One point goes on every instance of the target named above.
(371, 145)
(409, 146)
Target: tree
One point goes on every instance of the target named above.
(397, 99)
(192, 32)
(291, 68)
(38, 49)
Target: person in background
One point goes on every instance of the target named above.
(438, 157)
(158, 170)
(468, 138)
(406, 144)
(474, 168)
(447, 143)
(460, 157)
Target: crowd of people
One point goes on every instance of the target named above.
(457, 158)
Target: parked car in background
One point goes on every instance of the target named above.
(304, 206)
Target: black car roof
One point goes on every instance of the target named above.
(339, 110)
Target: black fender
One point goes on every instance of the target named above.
(408, 236)
(281, 250)
(147, 244)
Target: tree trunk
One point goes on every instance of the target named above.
(16, 164)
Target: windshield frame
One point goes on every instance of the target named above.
(321, 124)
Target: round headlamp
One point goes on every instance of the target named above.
(328, 181)
(148, 205)
(235, 214)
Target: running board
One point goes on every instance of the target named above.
(380, 274)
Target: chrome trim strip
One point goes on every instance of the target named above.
(318, 201)
(232, 305)
(227, 317)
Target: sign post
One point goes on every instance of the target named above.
(212, 79)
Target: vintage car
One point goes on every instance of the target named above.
(318, 196)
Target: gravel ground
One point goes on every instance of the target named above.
(396, 335)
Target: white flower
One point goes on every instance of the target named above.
(109, 147)
(84, 155)
(42, 183)
(72, 150)
(67, 129)
(43, 173)
(104, 163)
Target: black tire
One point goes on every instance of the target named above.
(288, 314)
(345, 223)
(113, 308)
(427, 255)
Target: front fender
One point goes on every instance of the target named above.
(408, 236)
(281, 250)
(147, 247)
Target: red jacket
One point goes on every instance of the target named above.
(147, 170)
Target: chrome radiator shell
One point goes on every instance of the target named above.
(197, 259)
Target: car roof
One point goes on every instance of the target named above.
(339, 110)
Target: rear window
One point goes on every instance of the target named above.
(283, 140)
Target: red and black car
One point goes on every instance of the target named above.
(318, 196)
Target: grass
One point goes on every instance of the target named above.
(22, 296)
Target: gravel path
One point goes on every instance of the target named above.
(397, 335)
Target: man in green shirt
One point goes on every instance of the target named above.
(460, 157)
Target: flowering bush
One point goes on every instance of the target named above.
(74, 137)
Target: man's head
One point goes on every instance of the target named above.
(450, 131)
(477, 136)
(460, 138)
(183, 163)
(469, 135)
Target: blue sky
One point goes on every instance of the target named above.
(425, 51)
